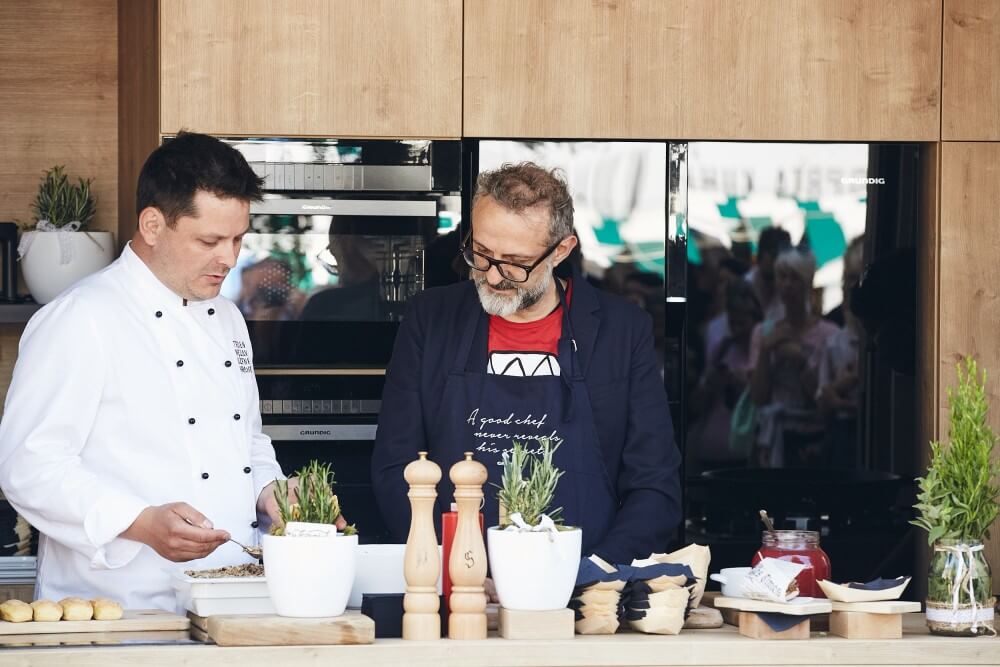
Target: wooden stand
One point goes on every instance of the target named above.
(753, 626)
(467, 562)
(421, 620)
(558, 624)
(870, 620)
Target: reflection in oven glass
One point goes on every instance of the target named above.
(317, 268)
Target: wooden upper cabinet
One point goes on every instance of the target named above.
(971, 76)
(703, 69)
(311, 67)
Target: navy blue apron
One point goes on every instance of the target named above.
(485, 413)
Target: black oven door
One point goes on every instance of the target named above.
(324, 282)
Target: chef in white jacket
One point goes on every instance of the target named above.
(131, 435)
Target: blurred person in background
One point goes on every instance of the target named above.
(785, 356)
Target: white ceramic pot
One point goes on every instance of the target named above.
(731, 579)
(46, 278)
(534, 571)
(310, 577)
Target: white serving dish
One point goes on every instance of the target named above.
(230, 606)
(380, 570)
(190, 588)
(731, 579)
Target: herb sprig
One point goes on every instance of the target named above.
(958, 496)
(317, 503)
(529, 495)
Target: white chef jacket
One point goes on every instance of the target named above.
(124, 397)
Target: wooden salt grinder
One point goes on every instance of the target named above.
(422, 561)
(467, 563)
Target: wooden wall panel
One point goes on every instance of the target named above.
(312, 67)
(59, 102)
(969, 307)
(703, 69)
(971, 70)
(138, 102)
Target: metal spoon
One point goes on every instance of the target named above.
(767, 520)
(253, 552)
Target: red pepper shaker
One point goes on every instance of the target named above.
(449, 521)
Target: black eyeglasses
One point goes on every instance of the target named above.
(512, 271)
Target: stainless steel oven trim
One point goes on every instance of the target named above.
(370, 207)
(304, 432)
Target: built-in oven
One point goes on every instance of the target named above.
(331, 418)
(348, 231)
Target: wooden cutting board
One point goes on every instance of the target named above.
(271, 630)
(881, 607)
(133, 620)
(795, 607)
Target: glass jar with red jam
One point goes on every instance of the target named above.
(798, 546)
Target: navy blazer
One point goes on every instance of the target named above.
(615, 346)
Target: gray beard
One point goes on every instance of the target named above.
(502, 305)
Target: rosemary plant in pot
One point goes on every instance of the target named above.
(533, 557)
(59, 250)
(308, 563)
(956, 505)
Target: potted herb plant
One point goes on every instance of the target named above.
(60, 250)
(309, 565)
(957, 504)
(533, 557)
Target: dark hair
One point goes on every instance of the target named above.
(773, 240)
(190, 162)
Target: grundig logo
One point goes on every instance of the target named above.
(314, 432)
(849, 180)
(315, 207)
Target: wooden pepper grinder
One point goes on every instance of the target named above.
(422, 562)
(467, 564)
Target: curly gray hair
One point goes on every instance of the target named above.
(526, 185)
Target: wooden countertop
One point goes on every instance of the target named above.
(693, 647)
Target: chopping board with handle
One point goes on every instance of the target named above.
(132, 620)
(272, 630)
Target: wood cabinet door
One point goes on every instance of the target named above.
(970, 80)
(377, 68)
(703, 69)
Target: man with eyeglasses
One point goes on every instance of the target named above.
(518, 354)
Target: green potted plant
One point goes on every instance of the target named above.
(533, 557)
(309, 565)
(59, 249)
(956, 505)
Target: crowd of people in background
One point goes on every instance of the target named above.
(772, 380)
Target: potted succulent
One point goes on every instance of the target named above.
(309, 565)
(59, 250)
(957, 504)
(533, 557)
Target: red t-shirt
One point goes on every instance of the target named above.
(526, 348)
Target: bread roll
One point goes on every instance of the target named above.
(46, 610)
(106, 610)
(16, 611)
(76, 609)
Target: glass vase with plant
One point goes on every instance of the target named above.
(956, 505)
